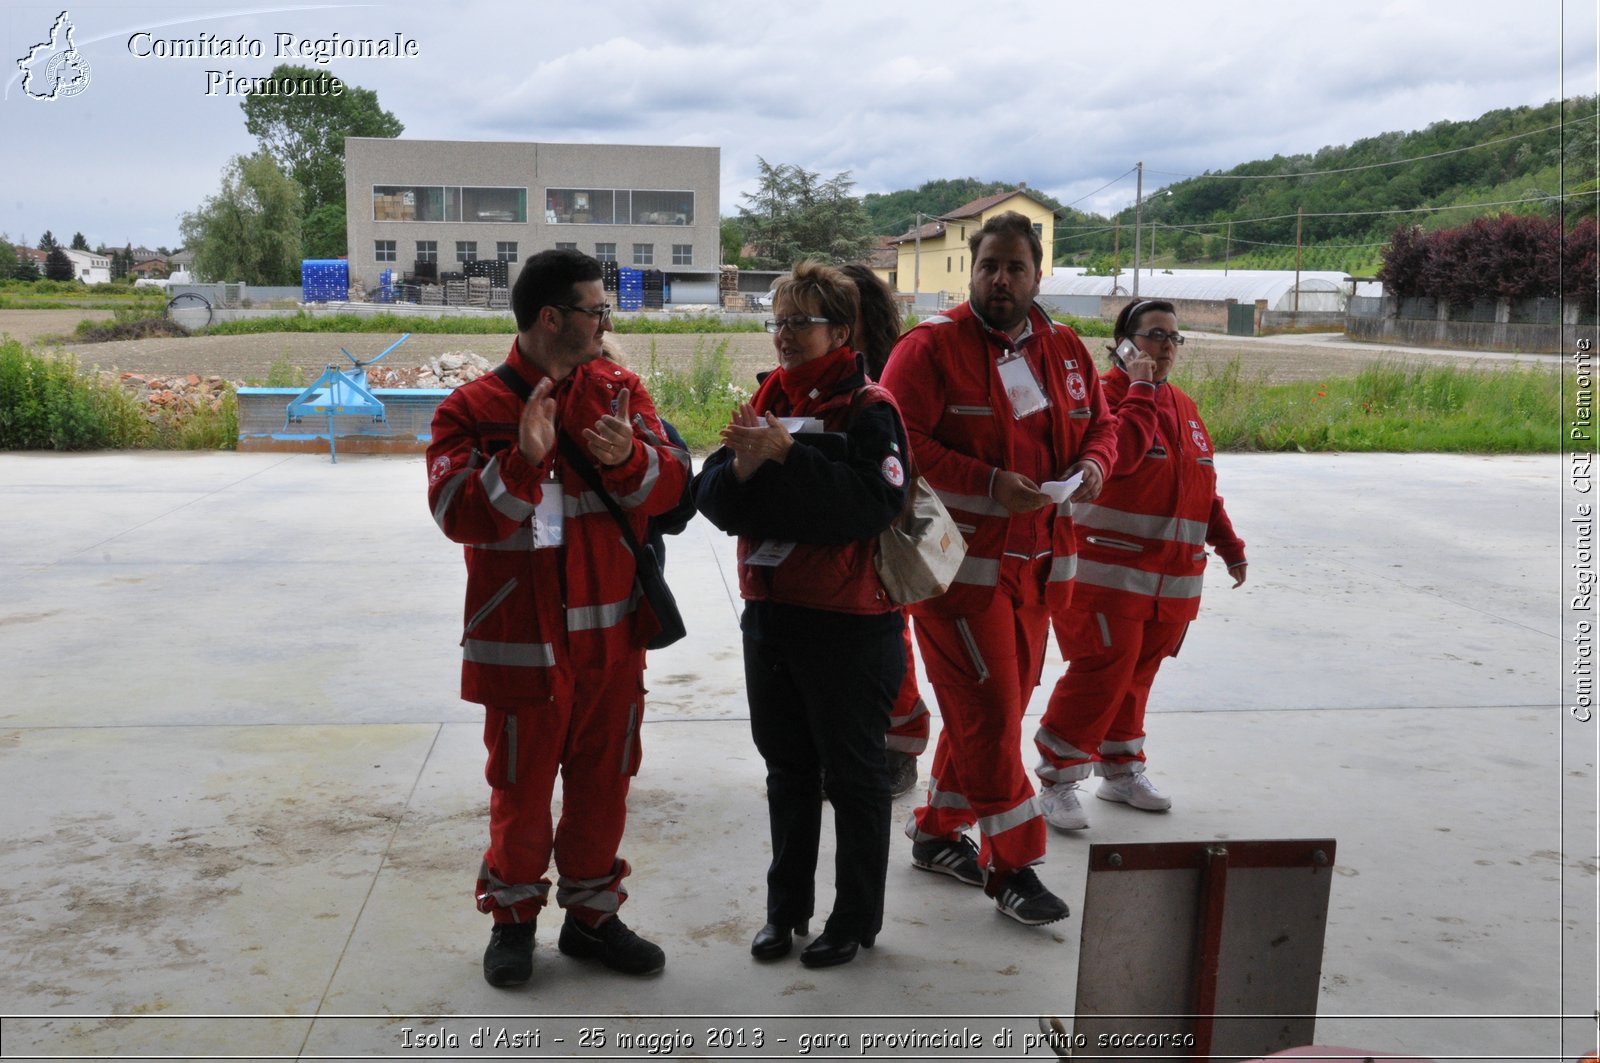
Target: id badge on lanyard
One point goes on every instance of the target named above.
(1022, 385)
(549, 515)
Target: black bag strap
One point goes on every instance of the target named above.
(575, 457)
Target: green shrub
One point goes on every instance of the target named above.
(699, 403)
(46, 404)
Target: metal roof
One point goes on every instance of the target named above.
(1245, 285)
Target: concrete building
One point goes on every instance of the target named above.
(448, 202)
(89, 267)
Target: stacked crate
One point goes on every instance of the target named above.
(630, 289)
(430, 295)
(728, 288)
(425, 272)
(324, 280)
(386, 286)
(499, 298)
(655, 289)
(609, 276)
(491, 268)
(478, 291)
(455, 293)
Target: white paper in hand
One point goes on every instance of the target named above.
(1060, 490)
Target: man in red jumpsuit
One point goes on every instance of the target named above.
(554, 633)
(997, 399)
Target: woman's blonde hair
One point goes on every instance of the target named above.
(820, 289)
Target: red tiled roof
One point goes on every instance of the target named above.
(978, 206)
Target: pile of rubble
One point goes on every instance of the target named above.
(448, 370)
(175, 396)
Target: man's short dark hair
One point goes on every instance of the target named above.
(550, 278)
(1009, 223)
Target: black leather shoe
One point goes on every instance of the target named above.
(773, 941)
(830, 949)
(508, 960)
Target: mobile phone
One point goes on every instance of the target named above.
(1124, 351)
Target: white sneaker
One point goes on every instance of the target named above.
(1136, 789)
(1061, 808)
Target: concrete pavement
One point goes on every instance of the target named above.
(244, 806)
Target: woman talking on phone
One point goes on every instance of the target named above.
(1141, 556)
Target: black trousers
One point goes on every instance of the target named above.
(823, 704)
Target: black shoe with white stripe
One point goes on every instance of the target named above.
(957, 857)
(1024, 898)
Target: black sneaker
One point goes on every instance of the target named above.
(1023, 897)
(613, 944)
(508, 960)
(902, 773)
(956, 857)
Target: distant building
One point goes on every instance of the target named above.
(935, 258)
(89, 267)
(443, 203)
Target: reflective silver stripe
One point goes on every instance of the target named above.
(1115, 544)
(1205, 461)
(937, 319)
(1181, 586)
(500, 497)
(1059, 746)
(1091, 515)
(978, 571)
(1014, 817)
(1081, 412)
(590, 617)
(652, 473)
(982, 505)
(1119, 577)
(1110, 749)
(938, 798)
(902, 744)
(504, 894)
(509, 654)
(918, 709)
(973, 653)
(590, 893)
(489, 606)
(1137, 581)
(1064, 568)
(1071, 773)
(627, 745)
(521, 539)
(971, 411)
(581, 503)
(447, 495)
(1105, 630)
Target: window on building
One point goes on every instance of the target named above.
(1038, 229)
(683, 254)
(947, 263)
(617, 206)
(505, 250)
(566, 247)
(644, 254)
(466, 250)
(449, 203)
(605, 252)
(427, 250)
(383, 250)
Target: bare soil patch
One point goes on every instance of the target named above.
(249, 358)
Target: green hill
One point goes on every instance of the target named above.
(1522, 160)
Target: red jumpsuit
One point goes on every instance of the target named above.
(552, 644)
(983, 640)
(1141, 557)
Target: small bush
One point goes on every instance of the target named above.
(46, 404)
(700, 402)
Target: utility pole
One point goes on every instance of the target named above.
(1116, 254)
(1138, 201)
(916, 269)
(1227, 251)
(1299, 217)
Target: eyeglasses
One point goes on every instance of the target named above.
(795, 324)
(1161, 336)
(597, 312)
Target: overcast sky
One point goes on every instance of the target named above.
(1065, 96)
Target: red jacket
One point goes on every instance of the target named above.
(1141, 551)
(529, 611)
(943, 375)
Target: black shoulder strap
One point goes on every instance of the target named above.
(513, 380)
(575, 458)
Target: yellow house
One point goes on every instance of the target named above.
(940, 261)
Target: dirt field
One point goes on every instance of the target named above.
(248, 358)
